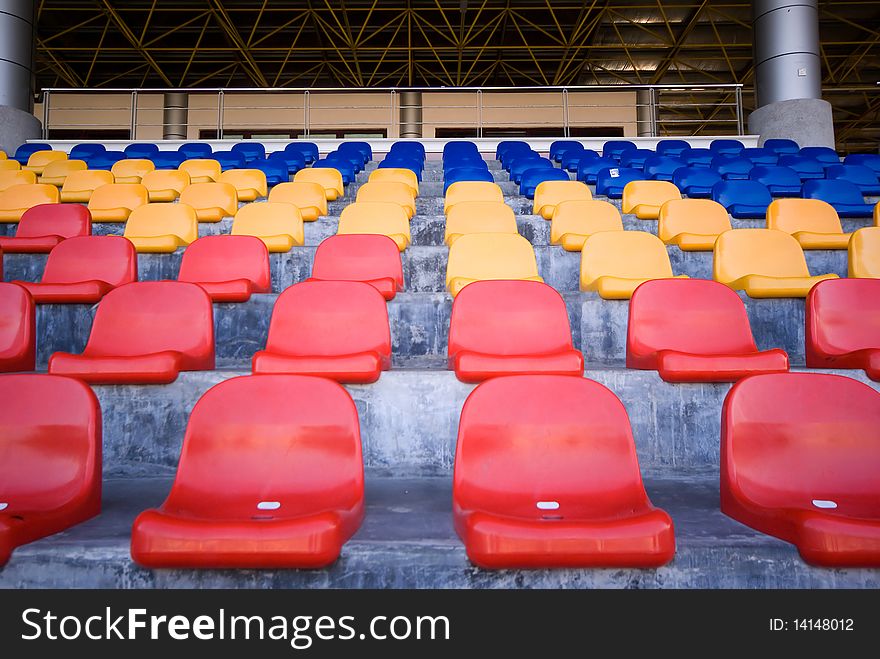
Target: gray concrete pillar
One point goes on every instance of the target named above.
(17, 122)
(788, 74)
(644, 114)
(175, 117)
(411, 114)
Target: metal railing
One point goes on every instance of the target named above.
(645, 110)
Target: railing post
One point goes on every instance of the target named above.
(566, 128)
(740, 128)
(653, 101)
(306, 129)
(45, 115)
(391, 121)
(220, 112)
(479, 113)
(134, 103)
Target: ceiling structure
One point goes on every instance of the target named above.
(370, 43)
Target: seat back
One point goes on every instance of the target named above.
(196, 150)
(614, 148)
(613, 179)
(662, 167)
(165, 179)
(552, 193)
(163, 220)
(650, 193)
(271, 218)
(480, 217)
(472, 191)
(38, 160)
(688, 315)
(203, 196)
(698, 216)
(397, 174)
(153, 316)
(111, 259)
(17, 333)
(383, 217)
(672, 148)
(794, 215)
(624, 254)
(134, 168)
(327, 177)
(687, 177)
(358, 258)
(790, 439)
(65, 220)
(85, 150)
(50, 444)
(88, 180)
(225, 258)
(757, 252)
(509, 318)
(775, 175)
(529, 440)
(301, 194)
(143, 150)
(118, 195)
(28, 195)
(858, 174)
(62, 168)
(250, 150)
(584, 218)
(835, 191)
(864, 253)
(393, 191)
(14, 177)
(823, 154)
(205, 168)
(726, 147)
(780, 145)
(245, 181)
(491, 256)
(748, 193)
(843, 315)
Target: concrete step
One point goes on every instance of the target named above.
(407, 541)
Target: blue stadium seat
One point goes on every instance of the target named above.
(612, 180)
(275, 169)
(869, 160)
(864, 177)
(589, 168)
(466, 174)
(846, 197)
(505, 146)
(402, 162)
(293, 160)
(24, 152)
(465, 161)
(558, 147)
(143, 150)
(464, 148)
(571, 159)
(408, 150)
(250, 150)
(531, 178)
(732, 168)
(308, 150)
(344, 167)
(760, 156)
(806, 168)
(522, 164)
(700, 158)
(85, 151)
(726, 147)
(780, 181)
(742, 199)
(196, 150)
(782, 146)
(351, 157)
(615, 148)
(695, 182)
(169, 159)
(104, 160)
(514, 153)
(823, 154)
(363, 148)
(230, 159)
(672, 148)
(661, 168)
(635, 158)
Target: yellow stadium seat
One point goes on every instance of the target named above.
(16, 200)
(3, 155)
(864, 253)
(399, 174)
(813, 223)
(482, 256)
(201, 170)
(644, 198)
(394, 191)
(310, 198)
(877, 214)
(575, 221)
(479, 217)
(162, 228)
(79, 186)
(114, 202)
(250, 184)
(277, 224)
(330, 179)
(38, 160)
(131, 170)
(9, 165)
(16, 177)
(692, 224)
(212, 201)
(472, 191)
(763, 263)
(549, 194)
(381, 217)
(57, 171)
(614, 263)
(165, 184)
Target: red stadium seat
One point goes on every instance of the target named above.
(229, 268)
(510, 327)
(371, 258)
(17, 330)
(82, 270)
(694, 330)
(800, 454)
(546, 475)
(270, 476)
(44, 226)
(145, 333)
(50, 471)
(843, 325)
(335, 329)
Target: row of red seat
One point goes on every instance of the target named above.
(546, 473)
(687, 330)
